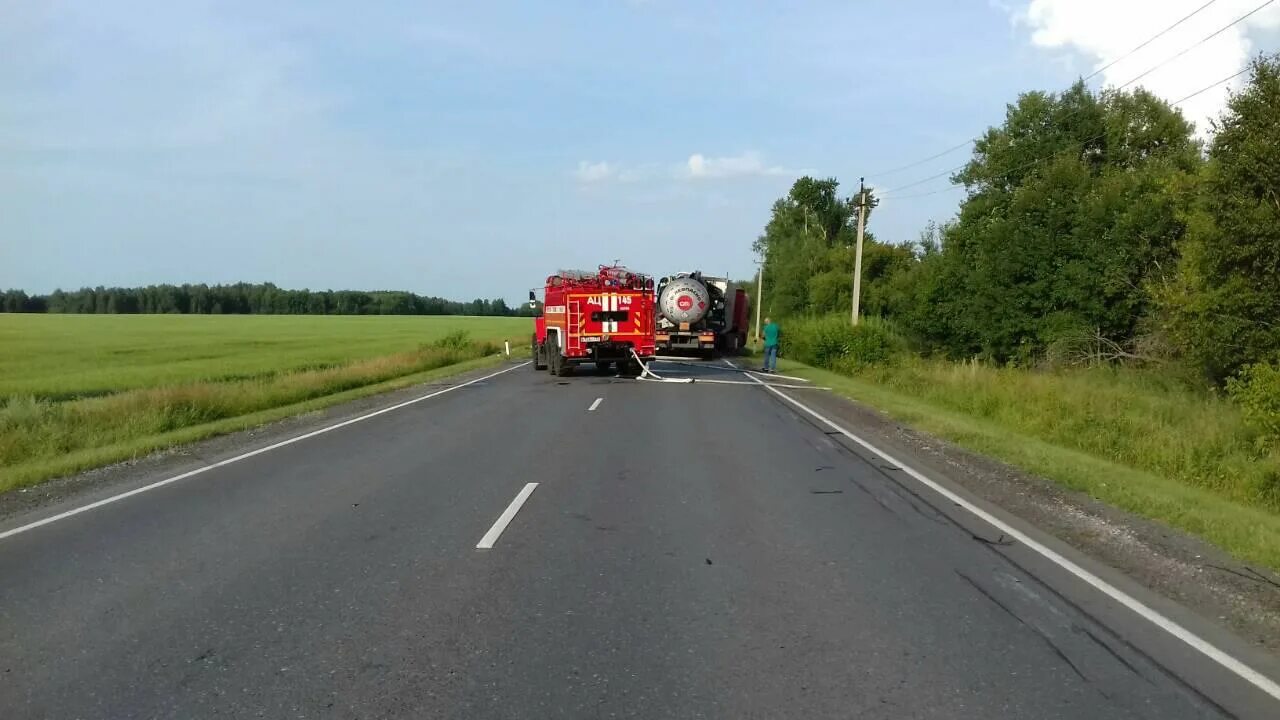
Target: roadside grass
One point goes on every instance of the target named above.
(37, 470)
(53, 431)
(1131, 439)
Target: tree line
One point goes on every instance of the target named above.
(247, 299)
(1094, 224)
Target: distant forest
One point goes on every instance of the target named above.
(246, 299)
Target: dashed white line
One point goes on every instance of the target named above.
(1208, 649)
(244, 456)
(505, 518)
(595, 404)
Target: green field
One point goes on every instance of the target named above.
(78, 391)
(59, 357)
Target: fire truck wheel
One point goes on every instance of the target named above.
(539, 357)
(562, 368)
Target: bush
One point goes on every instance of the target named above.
(459, 341)
(456, 340)
(1256, 389)
(831, 342)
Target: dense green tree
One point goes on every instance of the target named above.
(1224, 305)
(1071, 213)
(243, 298)
(13, 301)
(17, 301)
(808, 249)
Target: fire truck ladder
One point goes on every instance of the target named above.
(573, 346)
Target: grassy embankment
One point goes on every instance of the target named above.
(1138, 440)
(80, 391)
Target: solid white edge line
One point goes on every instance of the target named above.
(595, 404)
(244, 456)
(1253, 677)
(491, 537)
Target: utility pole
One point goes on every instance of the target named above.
(759, 297)
(857, 262)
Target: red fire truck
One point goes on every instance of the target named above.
(596, 318)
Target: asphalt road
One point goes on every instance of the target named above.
(689, 551)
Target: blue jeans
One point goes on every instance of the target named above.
(770, 357)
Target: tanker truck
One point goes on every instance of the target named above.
(700, 315)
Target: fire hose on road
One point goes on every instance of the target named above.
(648, 375)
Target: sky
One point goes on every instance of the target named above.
(468, 149)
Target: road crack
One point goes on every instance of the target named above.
(1040, 633)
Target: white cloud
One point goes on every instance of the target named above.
(697, 167)
(589, 172)
(1102, 30)
(746, 164)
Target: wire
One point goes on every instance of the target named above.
(1075, 147)
(949, 188)
(1202, 41)
(925, 180)
(1150, 70)
(948, 151)
(1148, 41)
(1207, 88)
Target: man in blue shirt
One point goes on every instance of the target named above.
(770, 346)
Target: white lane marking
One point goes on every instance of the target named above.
(505, 518)
(1253, 677)
(595, 404)
(244, 456)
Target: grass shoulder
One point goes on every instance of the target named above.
(1134, 442)
(38, 469)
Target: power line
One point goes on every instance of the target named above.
(1150, 70)
(949, 188)
(948, 151)
(1207, 88)
(1148, 41)
(1075, 147)
(1100, 136)
(925, 180)
(966, 143)
(1202, 41)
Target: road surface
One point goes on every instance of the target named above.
(657, 551)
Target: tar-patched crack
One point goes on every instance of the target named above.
(877, 499)
(1112, 652)
(1053, 646)
(1002, 540)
